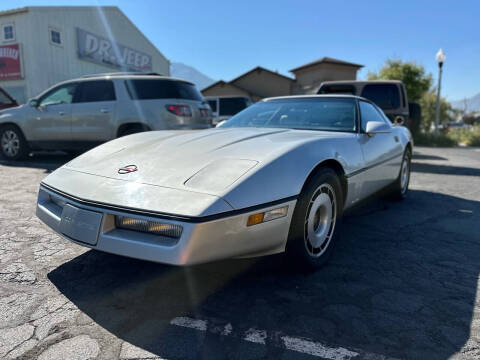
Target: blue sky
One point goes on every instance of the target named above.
(226, 38)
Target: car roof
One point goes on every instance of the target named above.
(342, 96)
(361, 82)
(124, 76)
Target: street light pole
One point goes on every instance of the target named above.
(440, 59)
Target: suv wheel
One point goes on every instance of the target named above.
(13, 145)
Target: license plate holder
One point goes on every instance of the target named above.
(80, 225)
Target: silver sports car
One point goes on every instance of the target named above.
(275, 177)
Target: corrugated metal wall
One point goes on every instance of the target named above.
(45, 64)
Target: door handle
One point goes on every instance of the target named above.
(61, 113)
(104, 111)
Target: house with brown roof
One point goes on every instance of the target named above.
(260, 83)
(308, 77)
(257, 84)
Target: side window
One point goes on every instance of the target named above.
(60, 95)
(337, 89)
(4, 99)
(213, 105)
(95, 91)
(369, 113)
(386, 96)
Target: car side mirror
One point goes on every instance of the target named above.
(33, 103)
(377, 127)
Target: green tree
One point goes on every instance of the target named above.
(428, 102)
(416, 81)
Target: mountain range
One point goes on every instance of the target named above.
(186, 72)
(471, 104)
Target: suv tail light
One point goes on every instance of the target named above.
(180, 110)
(204, 112)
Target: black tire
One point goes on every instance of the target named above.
(13, 145)
(131, 130)
(400, 186)
(303, 252)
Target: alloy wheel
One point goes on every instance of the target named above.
(320, 220)
(10, 143)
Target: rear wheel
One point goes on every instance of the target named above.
(13, 145)
(400, 187)
(314, 227)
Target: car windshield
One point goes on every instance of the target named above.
(328, 114)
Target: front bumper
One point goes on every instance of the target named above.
(201, 241)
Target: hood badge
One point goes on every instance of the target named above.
(127, 169)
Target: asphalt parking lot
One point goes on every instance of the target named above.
(402, 283)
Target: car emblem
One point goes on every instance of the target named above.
(127, 169)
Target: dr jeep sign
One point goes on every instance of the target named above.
(103, 51)
(10, 67)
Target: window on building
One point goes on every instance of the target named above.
(232, 106)
(95, 91)
(8, 32)
(55, 37)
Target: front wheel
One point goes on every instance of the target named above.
(316, 218)
(13, 145)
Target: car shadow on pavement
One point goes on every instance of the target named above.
(402, 282)
(419, 156)
(444, 169)
(41, 160)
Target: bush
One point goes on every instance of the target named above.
(454, 137)
(429, 139)
(469, 137)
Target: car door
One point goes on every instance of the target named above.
(93, 112)
(50, 120)
(382, 152)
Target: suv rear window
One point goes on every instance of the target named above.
(94, 91)
(162, 89)
(337, 89)
(232, 106)
(386, 96)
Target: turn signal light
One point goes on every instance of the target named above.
(269, 215)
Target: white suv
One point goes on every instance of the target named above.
(81, 113)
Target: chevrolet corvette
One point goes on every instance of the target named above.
(274, 178)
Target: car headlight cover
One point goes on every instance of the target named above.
(148, 226)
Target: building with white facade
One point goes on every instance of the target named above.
(41, 46)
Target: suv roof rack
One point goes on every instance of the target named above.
(120, 73)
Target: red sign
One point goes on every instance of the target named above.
(10, 67)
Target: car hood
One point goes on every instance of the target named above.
(16, 110)
(206, 161)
